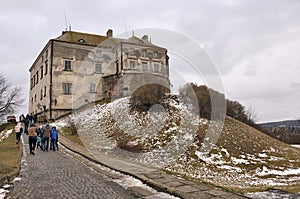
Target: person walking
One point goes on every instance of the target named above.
(26, 121)
(22, 120)
(54, 139)
(39, 138)
(18, 131)
(32, 134)
(46, 131)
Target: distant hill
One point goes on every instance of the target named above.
(242, 158)
(286, 123)
(287, 131)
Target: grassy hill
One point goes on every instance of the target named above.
(10, 153)
(172, 137)
(244, 159)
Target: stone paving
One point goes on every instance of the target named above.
(57, 175)
(154, 177)
(78, 174)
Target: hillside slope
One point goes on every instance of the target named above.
(171, 137)
(244, 159)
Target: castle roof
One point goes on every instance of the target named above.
(81, 38)
(96, 40)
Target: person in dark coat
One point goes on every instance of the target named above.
(46, 132)
(26, 122)
(54, 139)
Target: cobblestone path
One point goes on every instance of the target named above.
(58, 175)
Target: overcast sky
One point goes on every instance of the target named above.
(254, 45)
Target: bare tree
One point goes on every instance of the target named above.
(10, 97)
(252, 114)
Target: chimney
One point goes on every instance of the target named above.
(109, 33)
(145, 38)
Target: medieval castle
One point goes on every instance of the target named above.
(76, 68)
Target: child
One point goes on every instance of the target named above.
(38, 142)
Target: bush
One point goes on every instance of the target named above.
(202, 97)
(146, 96)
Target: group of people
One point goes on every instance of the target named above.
(29, 119)
(38, 137)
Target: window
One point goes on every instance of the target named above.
(67, 88)
(155, 54)
(163, 70)
(144, 53)
(42, 72)
(98, 54)
(35, 97)
(31, 83)
(132, 51)
(37, 77)
(41, 94)
(125, 89)
(98, 68)
(117, 65)
(68, 66)
(46, 67)
(45, 91)
(46, 54)
(31, 100)
(132, 64)
(156, 68)
(92, 87)
(145, 66)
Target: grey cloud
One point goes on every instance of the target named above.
(295, 85)
(248, 41)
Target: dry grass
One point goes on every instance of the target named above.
(10, 153)
(245, 143)
(66, 131)
(243, 159)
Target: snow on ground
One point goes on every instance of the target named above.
(296, 145)
(3, 193)
(265, 171)
(173, 138)
(5, 134)
(278, 194)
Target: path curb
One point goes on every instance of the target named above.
(186, 188)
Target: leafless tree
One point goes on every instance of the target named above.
(252, 114)
(10, 97)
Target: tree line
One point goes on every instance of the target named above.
(204, 95)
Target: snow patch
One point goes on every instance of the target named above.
(230, 168)
(265, 171)
(239, 161)
(296, 145)
(5, 134)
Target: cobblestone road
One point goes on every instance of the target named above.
(58, 175)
